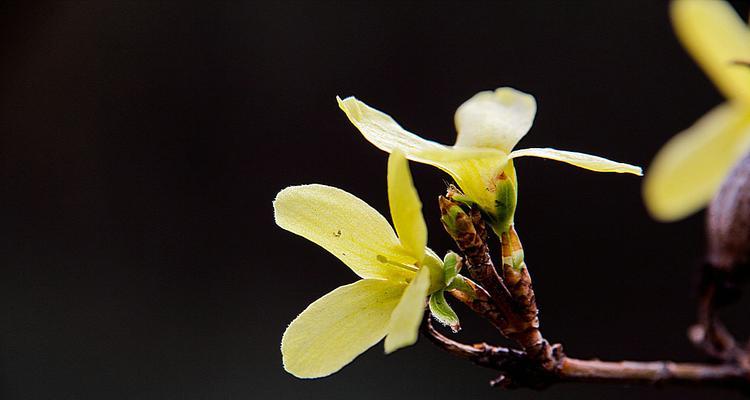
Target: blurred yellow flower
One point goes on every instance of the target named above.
(398, 272)
(688, 170)
(489, 125)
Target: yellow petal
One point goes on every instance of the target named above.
(382, 131)
(338, 327)
(689, 169)
(496, 119)
(716, 37)
(406, 209)
(345, 226)
(403, 327)
(473, 169)
(581, 160)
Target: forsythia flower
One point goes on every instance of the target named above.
(398, 272)
(689, 169)
(489, 125)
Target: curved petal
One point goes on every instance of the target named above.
(382, 131)
(406, 209)
(403, 327)
(338, 327)
(345, 226)
(581, 160)
(717, 38)
(688, 170)
(496, 119)
(472, 168)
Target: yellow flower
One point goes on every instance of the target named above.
(689, 169)
(398, 272)
(489, 125)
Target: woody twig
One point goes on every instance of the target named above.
(511, 294)
(505, 298)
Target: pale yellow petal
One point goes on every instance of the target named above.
(689, 169)
(382, 131)
(581, 160)
(338, 327)
(496, 119)
(345, 226)
(406, 208)
(716, 37)
(473, 169)
(403, 327)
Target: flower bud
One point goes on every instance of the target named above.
(454, 218)
(505, 200)
(728, 222)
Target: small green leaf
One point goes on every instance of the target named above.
(505, 203)
(460, 284)
(450, 263)
(443, 312)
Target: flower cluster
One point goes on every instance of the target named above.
(397, 269)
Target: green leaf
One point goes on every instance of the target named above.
(443, 312)
(450, 263)
(460, 284)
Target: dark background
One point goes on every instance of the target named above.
(141, 145)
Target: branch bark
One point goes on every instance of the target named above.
(507, 301)
(517, 369)
(653, 372)
(515, 310)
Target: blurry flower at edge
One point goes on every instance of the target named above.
(398, 272)
(688, 170)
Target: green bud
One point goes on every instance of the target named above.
(449, 218)
(512, 251)
(505, 200)
(442, 311)
(450, 266)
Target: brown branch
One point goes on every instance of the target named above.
(481, 303)
(516, 367)
(709, 333)
(718, 288)
(471, 239)
(518, 370)
(507, 301)
(518, 280)
(653, 372)
(480, 353)
(518, 308)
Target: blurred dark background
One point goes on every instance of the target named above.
(141, 145)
